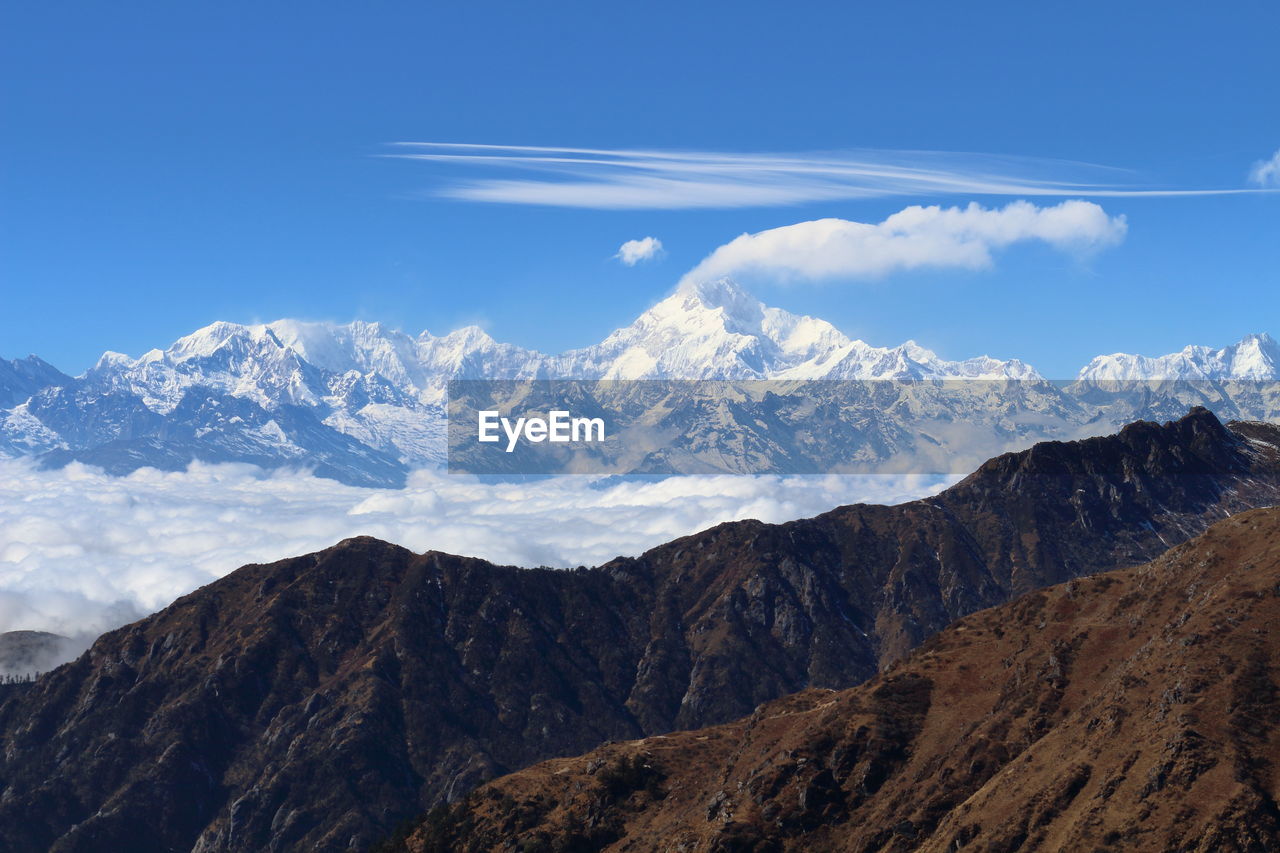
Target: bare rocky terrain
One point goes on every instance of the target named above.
(1132, 710)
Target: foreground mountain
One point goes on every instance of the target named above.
(317, 702)
(1133, 710)
(364, 404)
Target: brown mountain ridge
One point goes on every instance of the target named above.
(318, 701)
(1132, 710)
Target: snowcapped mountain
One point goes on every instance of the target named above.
(715, 330)
(22, 377)
(1255, 358)
(365, 403)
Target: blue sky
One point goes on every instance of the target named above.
(165, 165)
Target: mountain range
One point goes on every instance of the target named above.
(1132, 710)
(365, 404)
(319, 701)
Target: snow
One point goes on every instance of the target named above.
(1254, 358)
(387, 388)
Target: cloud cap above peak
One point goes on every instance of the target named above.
(913, 238)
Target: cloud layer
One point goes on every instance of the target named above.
(914, 238)
(648, 179)
(633, 252)
(81, 552)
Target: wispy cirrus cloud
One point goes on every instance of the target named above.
(654, 179)
(913, 238)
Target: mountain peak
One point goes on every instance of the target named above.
(112, 360)
(717, 303)
(22, 377)
(471, 335)
(1255, 357)
(719, 293)
(206, 340)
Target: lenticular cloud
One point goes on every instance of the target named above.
(81, 552)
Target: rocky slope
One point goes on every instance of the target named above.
(318, 701)
(1133, 710)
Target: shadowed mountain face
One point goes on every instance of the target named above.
(21, 378)
(1133, 710)
(318, 701)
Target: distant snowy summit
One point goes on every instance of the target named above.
(363, 403)
(1254, 358)
(716, 330)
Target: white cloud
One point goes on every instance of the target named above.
(915, 237)
(647, 179)
(633, 252)
(1266, 173)
(81, 552)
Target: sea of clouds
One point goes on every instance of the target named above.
(82, 552)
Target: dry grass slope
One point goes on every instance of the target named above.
(1133, 710)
